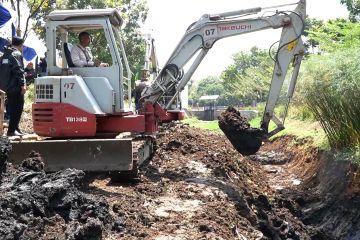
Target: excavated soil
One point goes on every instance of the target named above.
(196, 187)
(245, 139)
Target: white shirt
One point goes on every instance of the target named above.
(79, 58)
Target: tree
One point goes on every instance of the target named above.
(310, 24)
(34, 7)
(249, 76)
(354, 9)
(135, 12)
(210, 85)
(335, 34)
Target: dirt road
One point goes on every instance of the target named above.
(196, 187)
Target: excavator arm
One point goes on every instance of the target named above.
(201, 36)
(151, 64)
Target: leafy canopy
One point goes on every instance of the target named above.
(353, 6)
(334, 34)
(249, 76)
(211, 85)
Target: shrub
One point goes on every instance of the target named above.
(331, 90)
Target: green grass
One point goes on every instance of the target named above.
(298, 128)
(209, 125)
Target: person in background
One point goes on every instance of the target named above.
(43, 66)
(12, 81)
(6, 112)
(139, 87)
(30, 73)
(81, 54)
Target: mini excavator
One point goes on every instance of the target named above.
(85, 116)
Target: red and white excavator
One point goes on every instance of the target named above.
(85, 115)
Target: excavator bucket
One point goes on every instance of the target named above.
(245, 139)
(90, 155)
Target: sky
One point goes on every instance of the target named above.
(168, 20)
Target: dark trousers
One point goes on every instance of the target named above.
(15, 107)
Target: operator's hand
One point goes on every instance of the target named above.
(23, 90)
(104, 64)
(97, 62)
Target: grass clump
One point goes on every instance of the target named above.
(333, 95)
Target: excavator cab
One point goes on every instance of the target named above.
(103, 25)
(73, 101)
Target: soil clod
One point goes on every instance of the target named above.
(34, 162)
(245, 139)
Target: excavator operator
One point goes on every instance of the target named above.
(81, 53)
(139, 87)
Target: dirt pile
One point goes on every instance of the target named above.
(196, 187)
(35, 205)
(245, 139)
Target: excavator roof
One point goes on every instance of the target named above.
(63, 15)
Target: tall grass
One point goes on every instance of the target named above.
(332, 93)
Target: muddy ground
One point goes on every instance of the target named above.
(196, 187)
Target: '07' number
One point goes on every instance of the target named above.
(209, 32)
(69, 85)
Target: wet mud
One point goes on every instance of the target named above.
(5, 150)
(36, 205)
(245, 139)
